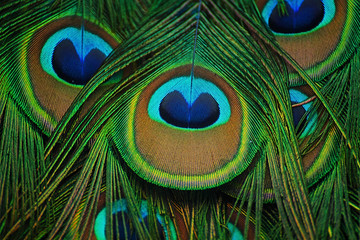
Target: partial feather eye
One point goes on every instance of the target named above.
(301, 16)
(302, 121)
(319, 35)
(62, 56)
(121, 224)
(73, 55)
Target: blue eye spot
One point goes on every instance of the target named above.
(301, 113)
(235, 232)
(301, 16)
(73, 55)
(68, 65)
(298, 113)
(302, 19)
(202, 113)
(121, 222)
(175, 104)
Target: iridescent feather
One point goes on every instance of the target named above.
(158, 119)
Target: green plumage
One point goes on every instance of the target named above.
(69, 151)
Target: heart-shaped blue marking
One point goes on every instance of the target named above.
(189, 104)
(69, 66)
(73, 55)
(298, 19)
(203, 112)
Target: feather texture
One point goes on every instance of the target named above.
(154, 119)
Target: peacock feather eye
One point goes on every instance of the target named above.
(185, 132)
(303, 123)
(121, 222)
(301, 16)
(63, 55)
(73, 55)
(319, 35)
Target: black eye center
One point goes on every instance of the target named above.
(203, 112)
(303, 116)
(71, 67)
(204, 106)
(123, 229)
(73, 55)
(123, 226)
(298, 114)
(298, 18)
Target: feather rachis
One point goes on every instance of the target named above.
(82, 162)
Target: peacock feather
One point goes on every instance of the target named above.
(192, 119)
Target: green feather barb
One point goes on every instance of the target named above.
(158, 119)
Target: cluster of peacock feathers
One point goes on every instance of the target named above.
(67, 154)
